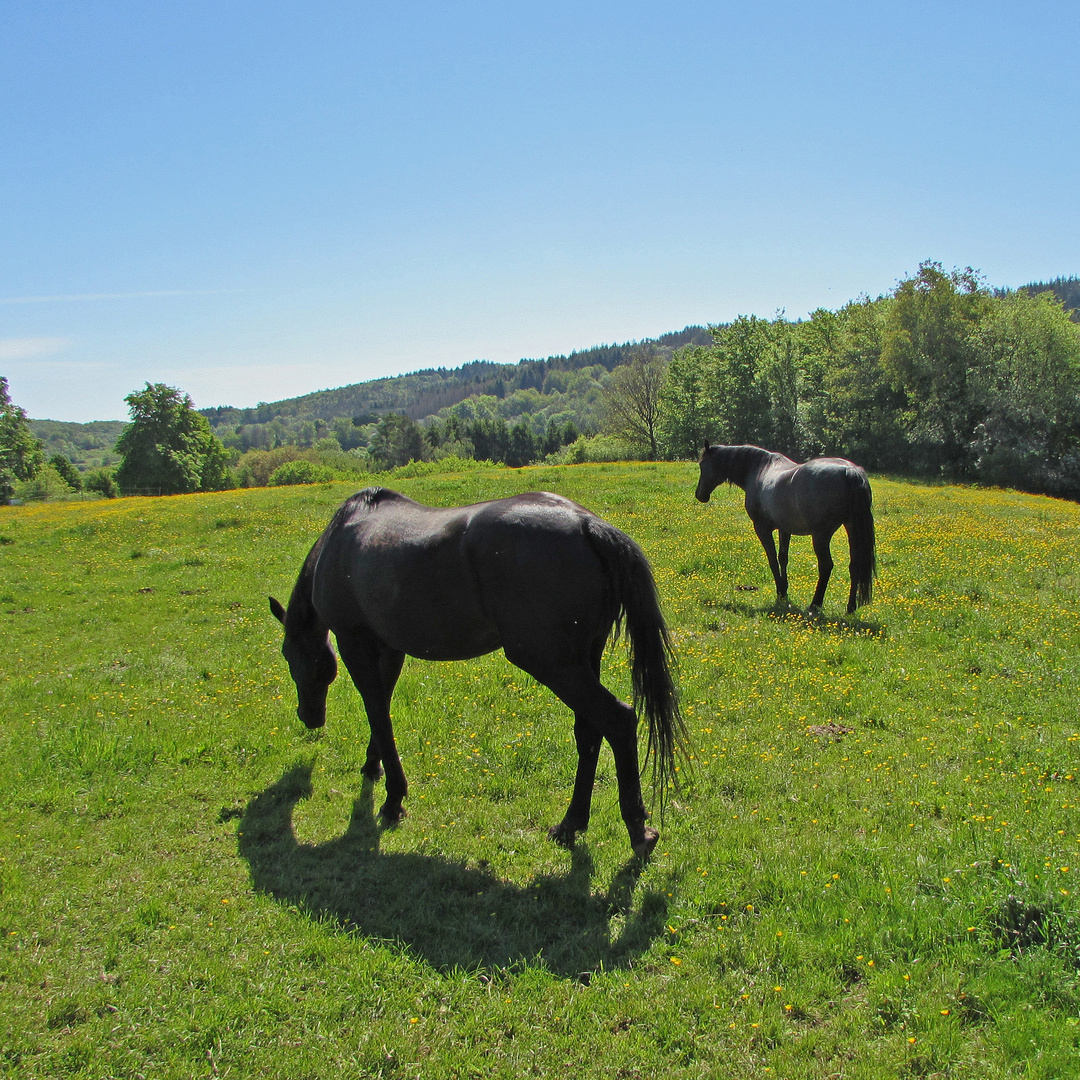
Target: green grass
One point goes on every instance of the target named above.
(870, 871)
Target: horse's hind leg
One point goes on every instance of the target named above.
(374, 670)
(598, 714)
(782, 560)
(588, 741)
(825, 566)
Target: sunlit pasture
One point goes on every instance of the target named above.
(869, 869)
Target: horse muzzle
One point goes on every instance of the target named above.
(312, 718)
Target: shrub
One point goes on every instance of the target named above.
(301, 471)
(46, 483)
(101, 481)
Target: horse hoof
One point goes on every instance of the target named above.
(563, 835)
(391, 816)
(372, 774)
(643, 848)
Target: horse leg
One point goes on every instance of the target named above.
(825, 565)
(389, 670)
(578, 686)
(765, 535)
(374, 669)
(588, 740)
(782, 560)
(621, 734)
(853, 572)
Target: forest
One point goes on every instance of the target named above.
(944, 376)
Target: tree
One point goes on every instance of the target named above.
(928, 352)
(687, 403)
(168, 448)
(67, 471)
(522, 449)
(1026, 389)
(741, 395)
(397, 441)
(632, 402)
(21, 454)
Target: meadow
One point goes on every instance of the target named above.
(870, 868)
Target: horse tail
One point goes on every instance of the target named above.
(860, 530)
(652, 659)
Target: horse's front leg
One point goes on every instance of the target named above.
(374, 670)
(588, 741)
(765, 535)
(785, 543)
(825, 566)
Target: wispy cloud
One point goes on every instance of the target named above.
(31, 348)
(64, 298)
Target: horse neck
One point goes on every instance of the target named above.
(301, 618)
(745, 462)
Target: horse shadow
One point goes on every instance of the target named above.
(447, 913)
(814, 619)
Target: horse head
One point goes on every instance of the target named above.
(712, 473)
(311, 660)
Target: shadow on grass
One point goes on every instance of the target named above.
(818, 620)
(447, 913)
(783, 611)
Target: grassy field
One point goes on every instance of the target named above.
(871, 869)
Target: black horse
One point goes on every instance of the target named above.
(812, 500)
(535, 575)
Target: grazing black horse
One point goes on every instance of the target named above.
(536, 575)
(812, 500)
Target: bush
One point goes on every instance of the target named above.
(256, 466)
(598, 448)
(430, 468)
(101, 481)
(301, 471)
(46, 483)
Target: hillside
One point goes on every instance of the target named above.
(89, 446)
(542, 393)
(541, 388)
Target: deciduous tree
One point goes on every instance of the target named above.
(632, 402)
(168, 448)
(21, 454)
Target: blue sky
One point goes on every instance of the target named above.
(253, 200)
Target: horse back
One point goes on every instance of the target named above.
(454, 583)
(817, 496)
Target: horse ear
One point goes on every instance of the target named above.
(277, 611)
(706, 450)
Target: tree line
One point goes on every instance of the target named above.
(941, 377)
(349, 413)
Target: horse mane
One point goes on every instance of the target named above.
(741, 461)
